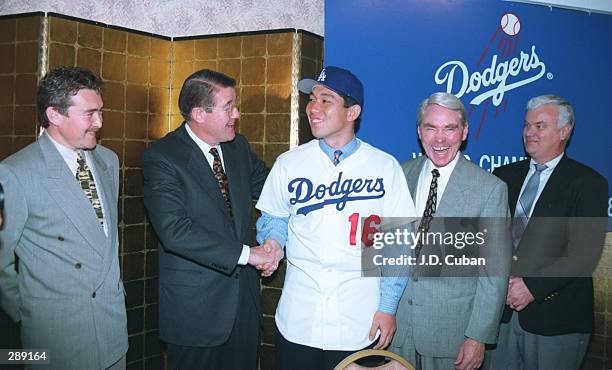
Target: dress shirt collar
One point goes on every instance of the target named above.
(347, 150)
(204, 146)
(425, 178)
(550, 164)
(69, 155)
(445, 172)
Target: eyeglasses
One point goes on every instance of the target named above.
(228, 108)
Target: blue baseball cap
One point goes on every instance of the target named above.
(338, 79)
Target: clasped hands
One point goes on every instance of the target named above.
(266, 257)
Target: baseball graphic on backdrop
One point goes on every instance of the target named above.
(510, 24)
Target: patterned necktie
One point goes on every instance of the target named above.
(430, 210)
(521, 214)
(337, 155)
(85, 178)
(221, 178)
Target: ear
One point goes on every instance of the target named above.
(198, 114)
(465, 131)
(353, 112)
(54, 116)
(566, 131)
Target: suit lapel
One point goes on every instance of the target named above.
(201, 170)
(450, 204)
(104, 181)
(239, 193)
(515, 184)
(69, 197)
(412, 174)
(550, 192)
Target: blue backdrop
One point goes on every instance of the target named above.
(404, 50)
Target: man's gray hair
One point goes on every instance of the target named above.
(446, 100)
(566, 112)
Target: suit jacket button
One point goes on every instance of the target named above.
(515, 258)
(93, 295)
(60, 238)
(77, 265)
(237, 276)
(410, 302)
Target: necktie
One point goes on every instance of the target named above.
(221, 178)
(85, 178)
(430, 210)
(521, 214)
(337, 155)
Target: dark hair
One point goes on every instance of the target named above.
(198, 90)
(349, 102)
(59, 85)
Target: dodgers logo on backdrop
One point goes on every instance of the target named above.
(338, 192)
(508, 68)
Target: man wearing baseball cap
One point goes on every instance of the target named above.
(312, 205)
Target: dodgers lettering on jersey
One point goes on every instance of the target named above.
(337, 192)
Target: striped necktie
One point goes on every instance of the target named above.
(525, 203)
(85, 178)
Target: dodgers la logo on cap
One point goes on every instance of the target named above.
(322, 76)
(338, 79)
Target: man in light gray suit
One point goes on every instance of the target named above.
(61, 223)
(444, 322)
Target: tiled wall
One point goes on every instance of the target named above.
(19, 45)
(19, 49)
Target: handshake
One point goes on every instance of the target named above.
(266, 257)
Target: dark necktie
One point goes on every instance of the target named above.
(337, 155)
(521, 214)
(221, 178)
(85, 178)
(430, 210)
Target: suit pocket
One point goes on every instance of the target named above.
(181, 277)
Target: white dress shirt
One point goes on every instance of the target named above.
(205, 148)
(422, 190)
(544, 176)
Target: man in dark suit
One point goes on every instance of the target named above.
(199, 182)
(61, 223)
(559, 220)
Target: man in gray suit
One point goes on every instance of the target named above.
(61, 223)
(444, 322)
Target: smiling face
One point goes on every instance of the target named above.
(329, 119)
(77, 129)
(441, 133)
(542, 138)
(217, 124)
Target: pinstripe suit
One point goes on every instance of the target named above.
(67, 292)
